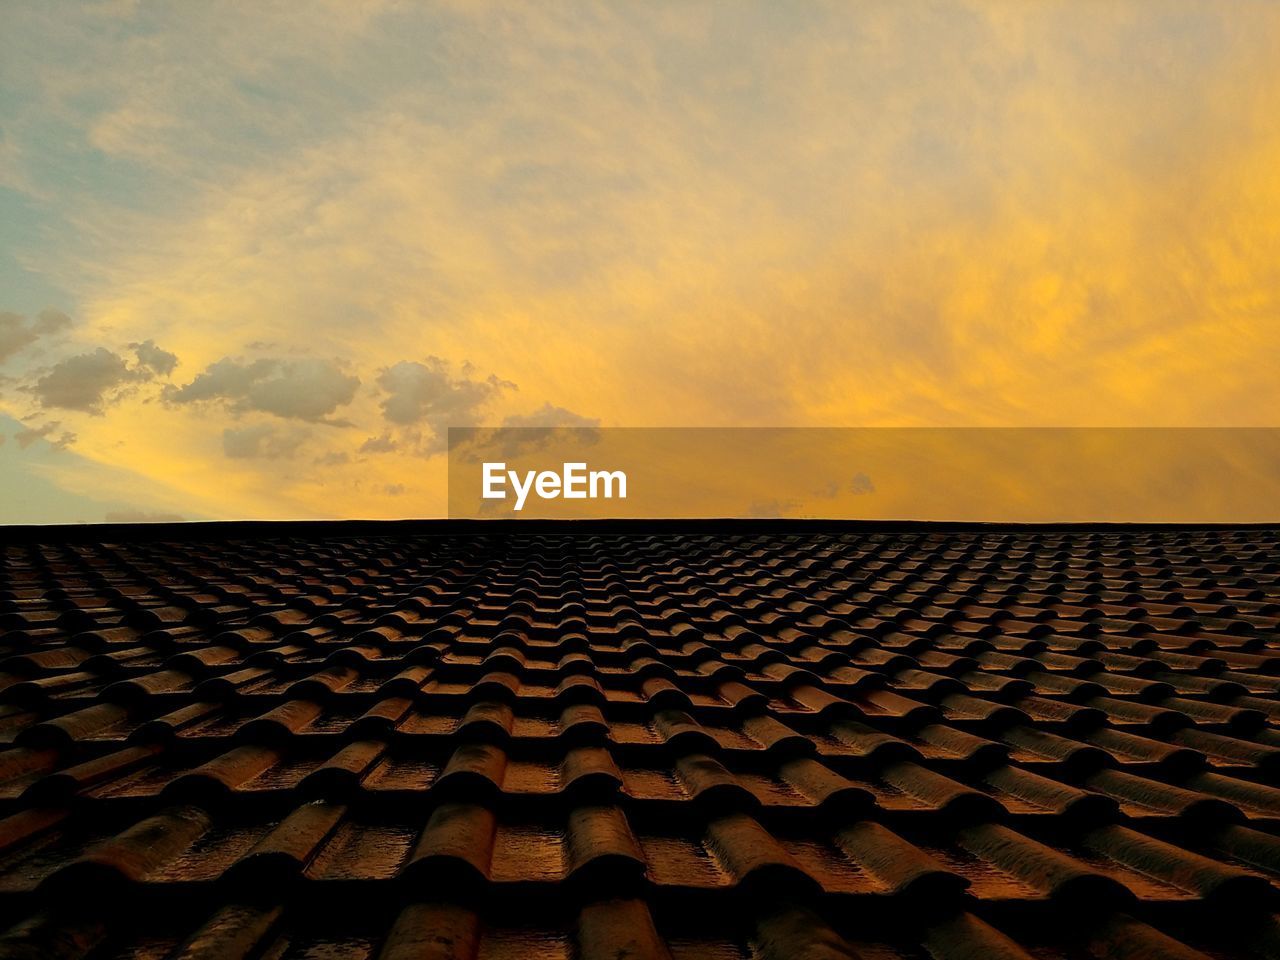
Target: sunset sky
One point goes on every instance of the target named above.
(255, 258)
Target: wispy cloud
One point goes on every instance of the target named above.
(262, 441)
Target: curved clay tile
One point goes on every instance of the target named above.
(903, 869)
(134, 853)
(340, 775)
(618, 928)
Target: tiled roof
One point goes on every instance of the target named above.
(724, 743)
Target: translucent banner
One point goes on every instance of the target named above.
(1152, 475)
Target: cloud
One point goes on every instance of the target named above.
(29, 435)
(142, 516)
(306, 389)
(772, 508)
(393, 489)
(83, 382)
(16, 333)
(154, 358)
(261, 441)
(134, 130)
(860, 484)
(428, 393)
(379, 444)
(50, 321)
(87, 381)
(549, 415)
(334, 458)
(523, 433)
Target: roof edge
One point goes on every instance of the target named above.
(258, 529)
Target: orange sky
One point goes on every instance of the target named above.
(288, 245)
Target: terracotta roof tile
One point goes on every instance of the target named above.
(716, 742)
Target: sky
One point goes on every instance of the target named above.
(255, 259)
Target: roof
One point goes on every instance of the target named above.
(564, 741)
